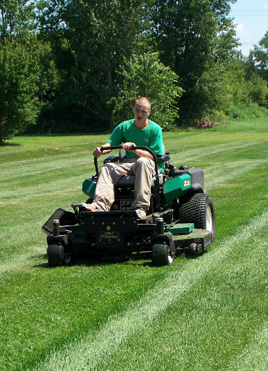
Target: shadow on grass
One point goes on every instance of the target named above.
(91, 261)
(139, 260)
(142, 259)
(7, 144)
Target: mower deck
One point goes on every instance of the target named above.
(119, 233)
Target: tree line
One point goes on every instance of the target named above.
(78, 65)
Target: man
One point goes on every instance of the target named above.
(139, 131)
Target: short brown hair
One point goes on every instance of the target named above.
(143, 99)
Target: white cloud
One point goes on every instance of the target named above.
(244, 36)
(241, 31)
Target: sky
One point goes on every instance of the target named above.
(251, 19)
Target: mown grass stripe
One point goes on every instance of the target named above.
(42, 165)
(214, 177)
(208, 326)
(87, 352)
(194, 154)
(231, 171)
(255, 354)
(68, 185)
(21, 261)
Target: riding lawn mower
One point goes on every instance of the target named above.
(181, 219)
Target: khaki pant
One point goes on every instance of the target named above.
(143, 168)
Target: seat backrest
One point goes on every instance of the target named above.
(122, 154)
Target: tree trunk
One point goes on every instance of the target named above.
(1, 137)
(110, 84)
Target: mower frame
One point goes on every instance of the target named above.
(181, 219)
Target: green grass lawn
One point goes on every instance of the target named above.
(209, 313)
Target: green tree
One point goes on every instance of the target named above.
(145, 75)
(243, 86)
(195, 38)
(18, 67)
(18, 88)
(258, 90)
(28, 74)
(235, 78)
(259, 57)
(90, 40)
(17, 19)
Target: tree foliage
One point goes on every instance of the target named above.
(258, 90)
(259, 57)
(77, 65)
(93, 41)
(145, 75)
(195, 37)
(18, 68)
(18, 105)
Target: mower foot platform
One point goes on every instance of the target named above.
(195, 243)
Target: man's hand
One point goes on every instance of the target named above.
(128, 146)
(98, 150)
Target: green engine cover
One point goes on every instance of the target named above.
(88, 187)
(181, 228)
(176, 187)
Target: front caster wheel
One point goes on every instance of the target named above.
(162, 254)
(195, 249)
(58, 254)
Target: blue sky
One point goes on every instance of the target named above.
(251, 19)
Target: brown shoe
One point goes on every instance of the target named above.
(87, 207)
(140, 213)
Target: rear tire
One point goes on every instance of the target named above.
(199, 210)
(162, 254)
(58, 255)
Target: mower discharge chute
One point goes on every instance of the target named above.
(181, 218)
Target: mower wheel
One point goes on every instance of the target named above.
(58, 255)
(199, 210)
(162, 254)
(195, 249)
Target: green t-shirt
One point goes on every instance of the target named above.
(150, 137)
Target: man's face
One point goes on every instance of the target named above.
(141, 112)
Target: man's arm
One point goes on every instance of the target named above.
(139, 152)
(98, 152)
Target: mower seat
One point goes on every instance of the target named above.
(129, 181)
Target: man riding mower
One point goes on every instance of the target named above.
(138, 203)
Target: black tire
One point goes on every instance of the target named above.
(193, 249)
(58, 255)
(200, 210)
(162, 254)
